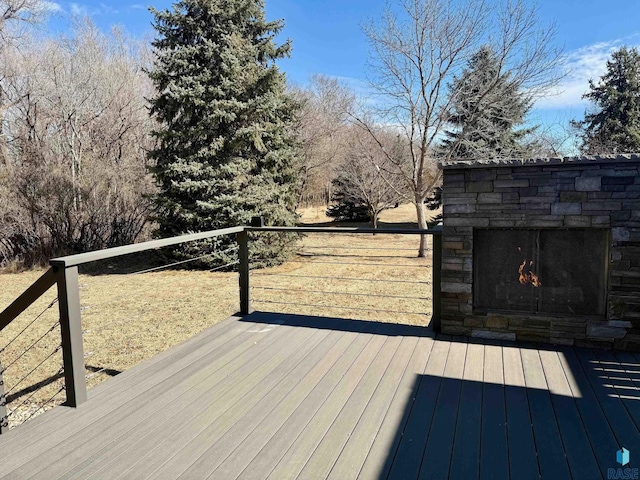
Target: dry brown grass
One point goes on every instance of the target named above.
(404, 215)
(129, 318)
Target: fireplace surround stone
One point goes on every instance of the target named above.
(581, 194)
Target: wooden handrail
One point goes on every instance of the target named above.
(30, 295)
(392, 231)
(81, 258)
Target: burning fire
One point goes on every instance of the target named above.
(528, 277)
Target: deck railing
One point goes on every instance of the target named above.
(435, 249)
(64, 274)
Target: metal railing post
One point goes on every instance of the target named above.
(71, 329)
(4, 424)
(243, 272)
(436, 275)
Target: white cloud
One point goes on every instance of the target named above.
(79, 10)
(137, 6)
(52, 6)
(581, 65)
(104, 8)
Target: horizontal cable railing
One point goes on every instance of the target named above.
(155, 294)
(384, 277)
(359, 272)
(42, 362)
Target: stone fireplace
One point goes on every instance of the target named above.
(544, 250)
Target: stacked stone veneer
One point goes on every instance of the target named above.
(600, 192)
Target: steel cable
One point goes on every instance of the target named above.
(44, 405)
(366, 264)
(339, 293)
(53, 302)
(26, 400)
(184, 261)
(33, 370)
(364, 248)
(31, 346)
(341, 308)
(339, 278)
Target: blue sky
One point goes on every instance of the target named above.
(327, 37)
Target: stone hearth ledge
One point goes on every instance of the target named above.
(538, 162)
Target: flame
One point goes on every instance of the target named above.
(528, 277)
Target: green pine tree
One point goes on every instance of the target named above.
(486, 108)
(614, 125)
(226, 150)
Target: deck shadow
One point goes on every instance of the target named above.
(461, 429)
(339, 324)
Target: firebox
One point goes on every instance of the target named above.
(540, 271)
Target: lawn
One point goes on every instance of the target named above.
(128, 318)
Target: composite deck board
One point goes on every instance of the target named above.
(494, 453)
(523, 461)
(310, 437)
(228, 327)
(230, 443)
(216, 334)
(327, 452)
(621, 422)
(221, 333)
(579, 452)
(551, 451)
(259, 374)
(354, 454)
(601, 436)
(89, 441)
(621, 383)
(297, 408)
(466, 445)
(287, 396)
(437, 454)
(140, 441)
(380, 456)
(631, 369)
(408, 458)
(117, 402)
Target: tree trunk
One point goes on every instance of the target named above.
(374, 219)
(422, 224)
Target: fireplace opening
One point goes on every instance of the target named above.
(540, 270)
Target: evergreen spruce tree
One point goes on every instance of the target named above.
(347, 207)
(225, 145)
(486, 108)
(614, 126)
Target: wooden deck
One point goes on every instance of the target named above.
(279, 396)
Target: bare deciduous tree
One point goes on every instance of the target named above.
(418, 48)
(365, 177)
(554, 140)
(78, 127)
(323, 121)
(14, 14)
